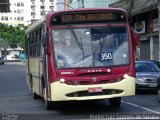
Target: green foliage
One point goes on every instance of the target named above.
(13, 35)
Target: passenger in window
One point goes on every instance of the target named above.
(62, 48)
(68, 50)
(67, 39)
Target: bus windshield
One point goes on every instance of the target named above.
(91, 47)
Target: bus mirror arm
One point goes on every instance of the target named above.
(135, 38)
(44, 40)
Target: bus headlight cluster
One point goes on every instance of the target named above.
(62, 80)
(125, 76)
(118, 79)
(76, 82)
(68, 82)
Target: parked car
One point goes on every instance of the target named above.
(156, 62)
(147, 73)
(158, 89)
(2, 60)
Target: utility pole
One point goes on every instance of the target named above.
(82, 2)
(65, 4)
(79, 4)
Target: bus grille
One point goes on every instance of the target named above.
(86, 93)
(91, 82)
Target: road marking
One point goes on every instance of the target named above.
(144, 108)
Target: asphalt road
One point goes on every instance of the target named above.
(16, 102)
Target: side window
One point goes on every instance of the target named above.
(30, 44)
(26, 45)
(41, 30)
(34, 41)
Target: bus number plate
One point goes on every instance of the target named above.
(93, 90)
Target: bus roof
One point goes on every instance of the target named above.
(35, 24)
(86, 9)
(90, 9)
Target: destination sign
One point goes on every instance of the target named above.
(87, 17)
(79, 18)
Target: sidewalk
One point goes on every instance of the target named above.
(14, 63)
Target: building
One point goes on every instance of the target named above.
(67, 4)
(145, 19)
(59, 5)
(17, 15)
(4, 6)
(27, 11)
(91, 3)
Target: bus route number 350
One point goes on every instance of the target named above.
(106, 56)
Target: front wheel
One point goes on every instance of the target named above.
(115, 102)
(158, 95)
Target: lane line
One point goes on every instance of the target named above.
(144, 108)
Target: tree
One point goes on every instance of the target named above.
(14, 36)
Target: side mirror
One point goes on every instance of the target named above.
(135, 38)
(44, 40)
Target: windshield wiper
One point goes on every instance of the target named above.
(82, 47)
(75, 37)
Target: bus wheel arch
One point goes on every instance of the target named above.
(42, 83)
(48, 104)
(35, 95)
(30, 82)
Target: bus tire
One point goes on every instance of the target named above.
(48, 104)
(115, 102)
(35, 95)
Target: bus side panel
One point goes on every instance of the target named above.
(35, 74)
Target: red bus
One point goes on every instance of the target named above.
(81, 54)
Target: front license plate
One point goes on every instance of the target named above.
(152, 84)
(93, 90)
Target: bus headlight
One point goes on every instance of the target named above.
(125, 76)
(118, 79)
(62, 80)
(76, 82)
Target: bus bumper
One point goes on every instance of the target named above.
(63, 92)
